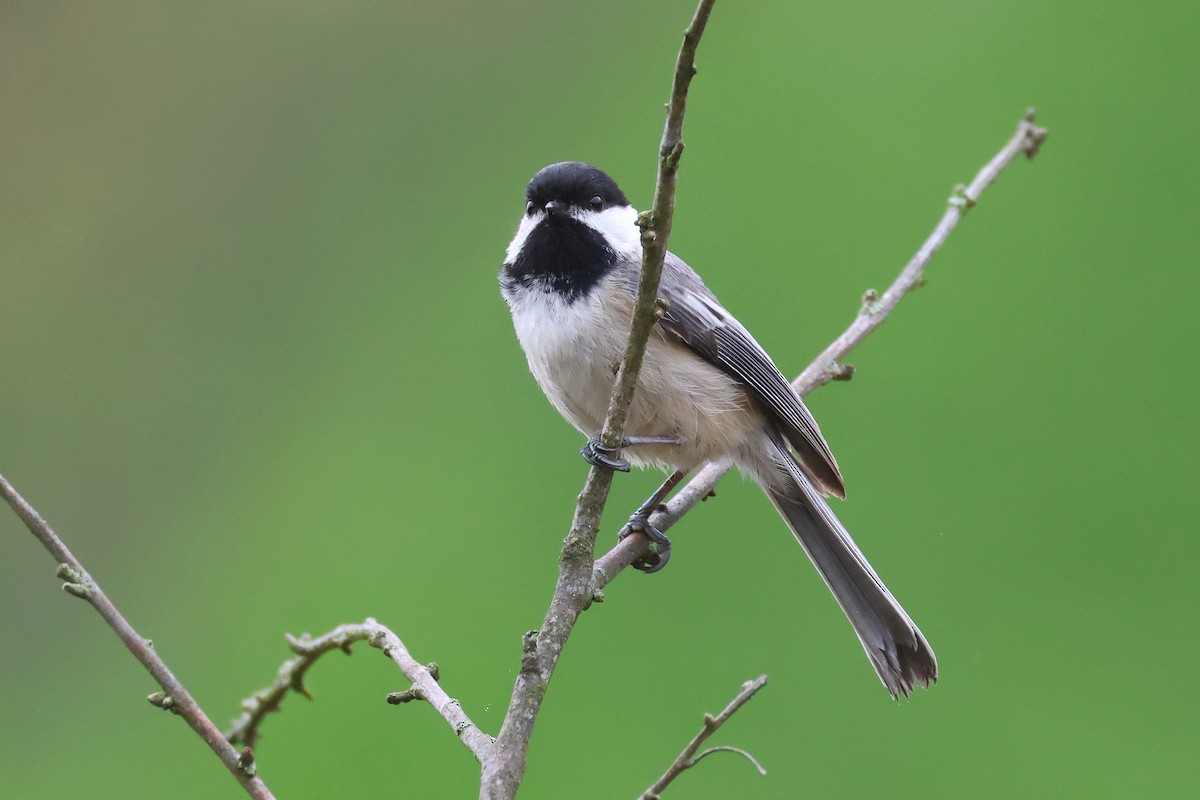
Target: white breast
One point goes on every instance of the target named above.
(574, 348)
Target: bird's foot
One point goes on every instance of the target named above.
(599, 454)
(660, 545)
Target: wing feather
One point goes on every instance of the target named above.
(697, 319)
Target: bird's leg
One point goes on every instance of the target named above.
(633, 441)
(660, 545)
(598, 454)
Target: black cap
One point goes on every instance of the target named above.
(574, 183)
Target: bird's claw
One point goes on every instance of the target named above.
(660, 546)
(599, 454)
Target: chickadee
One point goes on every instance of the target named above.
(706, 390)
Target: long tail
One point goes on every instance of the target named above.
(894, 644)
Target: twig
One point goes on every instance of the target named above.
(290, 677)
(173, 696)
(426, 687)
(688, 758)
(574, 590)
(655, 225)
(827, 366)
(724, 748)
(876, 308)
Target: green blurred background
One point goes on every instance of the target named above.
(256, 371)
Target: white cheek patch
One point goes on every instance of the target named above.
(528, 223)
(618, 225)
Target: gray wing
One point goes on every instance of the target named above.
(698, 320)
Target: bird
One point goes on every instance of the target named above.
(706, 391)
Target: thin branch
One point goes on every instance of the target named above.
(308, 649)
(290, 677)
(688, 758)
(173, 696)
(655, 225)
(876, 308)
(574, 590)
(426, 687)
(724, 748)
(827, 366)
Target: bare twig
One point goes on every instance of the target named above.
(875, 307)
(827, 366)
(429, 690)
(574, 589)
(308, 649)
(290, 677)
(655, 225)
(724, 748)
(173, 696)
(688, 758)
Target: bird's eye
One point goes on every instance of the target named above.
(529, 208)
(597, 203)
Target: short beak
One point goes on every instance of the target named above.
(556, 208)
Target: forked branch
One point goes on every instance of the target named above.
(689, 757)
(290, 678)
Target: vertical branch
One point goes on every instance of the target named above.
(656, 227)
(174, 696)
(504, 769)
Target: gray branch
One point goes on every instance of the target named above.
(173, 696)
(290, 677)
(574, 590)
(688, 758)
(426, 687)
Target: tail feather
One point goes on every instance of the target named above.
(894, 644)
